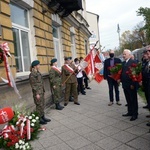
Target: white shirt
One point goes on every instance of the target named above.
(80, 74)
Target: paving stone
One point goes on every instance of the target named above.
(140, 144)
(124, 147)
(94, 136)
(50, 141)
(59, 129)
(68, 135)
(97, 125)
(90, 147)
(83, 130)
(78, 142)
(123, 136)
(61, 146)
(109, 130)
(108, 143)
(137, 130)
(122, 125)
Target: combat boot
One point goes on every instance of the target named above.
(58, 106)
(42, 121)
(46, 119)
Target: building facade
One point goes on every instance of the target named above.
(39, 29)
(93, 21)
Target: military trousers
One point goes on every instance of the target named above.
(40, 104)
(57, 94)
(71, 88)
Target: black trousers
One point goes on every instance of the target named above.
(80, 85)
(112, 84)
(146, 89)
(131, 98)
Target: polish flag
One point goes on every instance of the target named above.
(98, 66)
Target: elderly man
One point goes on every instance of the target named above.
(129, 87)
(110, 62)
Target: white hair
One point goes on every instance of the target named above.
(128, 51)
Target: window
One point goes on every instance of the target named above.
(56, 39)
(20, 28)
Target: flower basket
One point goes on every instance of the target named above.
(19, 131)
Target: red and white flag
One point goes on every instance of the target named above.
(88, 65)
(98, 66)
(92, 66)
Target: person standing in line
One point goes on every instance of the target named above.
(79, 77)
(110, 62)
(55, 81)
(145, 76)
(70, 81)
(129, 87)
(148, 81)
(85, 78)
(37, 85)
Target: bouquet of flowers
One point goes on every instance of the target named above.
(134, 72)
(115, 71)
(19, 131)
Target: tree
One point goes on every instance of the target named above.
(145, 12)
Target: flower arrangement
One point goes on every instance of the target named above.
(115, 71)
(19, 131)
(134, 72)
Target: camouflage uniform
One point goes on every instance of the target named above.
(55, 80)
(36, 82)
(71, 84)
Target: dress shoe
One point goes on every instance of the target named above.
(65, 104)
(133, 118)
(76, 103)
(148, 124)
(83, 93)
(88, 88)
(110, 103)
(126, 115)
(42, 121)
(118, 103)
(145, 106)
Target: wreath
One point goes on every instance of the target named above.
(1, 56)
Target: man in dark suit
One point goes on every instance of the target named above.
(129, 87)
(110, 62)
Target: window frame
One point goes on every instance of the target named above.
(24, 29)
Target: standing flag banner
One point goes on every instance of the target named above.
(10, 80)
(98, 67)
(92, 65)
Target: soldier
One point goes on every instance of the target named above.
(36, 82)
(70, 81)
(55, 81)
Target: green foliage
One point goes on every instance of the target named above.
(145, 12)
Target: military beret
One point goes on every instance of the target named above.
(53, 60)
(66, 58)
(35, 63)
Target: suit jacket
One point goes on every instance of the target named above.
(125, 79)
(107, 65)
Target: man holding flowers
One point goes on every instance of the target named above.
(112, 83)
(129, 86)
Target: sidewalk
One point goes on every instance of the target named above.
(94, 125)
